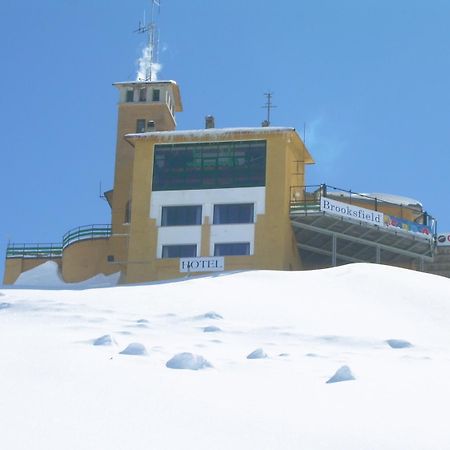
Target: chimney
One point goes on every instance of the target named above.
(209, 122)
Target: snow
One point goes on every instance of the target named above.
(135, 348)
(259, 353)
(208, 132)
(211, 329)
(106, 339)
(58, 390)
(188, 361)
(344, 373)
(389, 198)
(47, 276)
(398, 343)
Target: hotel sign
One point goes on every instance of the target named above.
(202, 264)
(351, 211)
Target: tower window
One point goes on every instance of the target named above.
(179, 251)
(156, 95)
(130, 96)
(232, 249)
(143, 95)
(140, 126)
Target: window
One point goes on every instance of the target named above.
(179, 251)
(130, 96)
(156, 95)
(181, 215)
(140, 126)
(232, 249)
(209, 165)
(127, 215)
(233, 213)
(143, 95)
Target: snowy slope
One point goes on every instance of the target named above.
(59, 390)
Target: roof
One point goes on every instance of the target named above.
(210, 132)
(217, 133)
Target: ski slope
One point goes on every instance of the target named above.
(237, 361)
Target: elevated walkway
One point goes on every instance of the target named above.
(334, 227)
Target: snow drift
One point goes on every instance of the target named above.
(67, 393)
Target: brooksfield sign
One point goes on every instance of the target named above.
(351, 211)
(202, 264)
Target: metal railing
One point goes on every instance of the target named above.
(55, 250)
(51, 250)
(307, 199)
(85, 232)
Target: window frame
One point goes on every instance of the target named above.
(165, 210)
(217, 244)
(156, 95)
(143, 127)
(167, 246)
(220, 221)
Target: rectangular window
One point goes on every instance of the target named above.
(232, 249)
(130, 96)
(156, 95)
(179, 251)
(140, 126)
(181, 215)
(209, 165)
(143, 95)
(234, 213)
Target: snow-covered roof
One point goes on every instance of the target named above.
(210, 132)
(217, 133)
(140, 82)
(389, 198)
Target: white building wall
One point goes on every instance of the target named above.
(207, 198)
(179, 235)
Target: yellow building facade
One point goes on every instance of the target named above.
(213, 198)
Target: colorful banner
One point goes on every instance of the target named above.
(407, 225)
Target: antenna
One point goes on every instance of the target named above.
(148, 63)
(100, 192)
(268, 105)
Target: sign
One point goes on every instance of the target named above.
(351, 211)
(202, 264)
(407, 225)
(443, 240)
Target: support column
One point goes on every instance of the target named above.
(378, 254)
(333, 250)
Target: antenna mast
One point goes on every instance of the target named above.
(269, 106)
(148, 63)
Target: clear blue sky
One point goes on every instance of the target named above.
(370, 78)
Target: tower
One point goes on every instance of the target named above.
(145, 105)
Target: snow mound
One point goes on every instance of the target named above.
(259, 353)
(344, 373)
(48, 276)
(136, 349)
(211, 329)
(104, 340)
(188, 361)
(398, 343)
(210, 315)
(5, 305)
